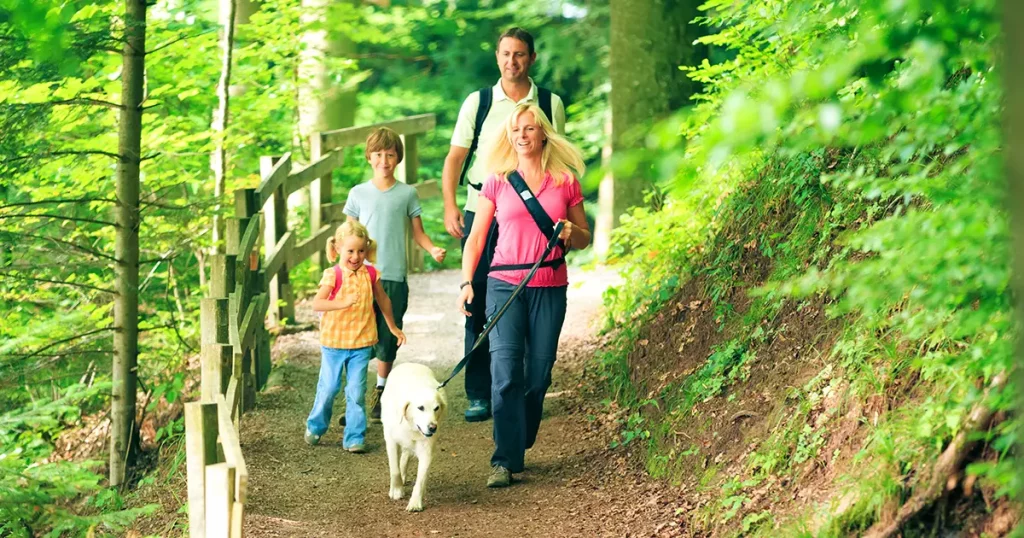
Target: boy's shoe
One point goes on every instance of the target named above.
(479, 410)
(500, 477)
(375, 405)
(311, 438)
(358, 448)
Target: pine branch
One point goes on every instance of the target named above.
(69, 102)
(182, 38)
(64, 341)
(66, 153)
(58, 217)
(194, 205)
(75, 246)
(8, 274)
(61, 354)
(58, 201)
(87, 101)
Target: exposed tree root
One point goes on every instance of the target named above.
(948, 465)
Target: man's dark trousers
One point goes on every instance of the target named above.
(478, 369)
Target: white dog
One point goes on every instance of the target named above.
(411, 407)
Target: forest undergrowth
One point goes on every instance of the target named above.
(815, 334)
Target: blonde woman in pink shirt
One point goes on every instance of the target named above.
(549, 164)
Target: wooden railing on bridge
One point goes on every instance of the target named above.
(246, 290)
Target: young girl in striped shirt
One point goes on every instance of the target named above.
(348, 332)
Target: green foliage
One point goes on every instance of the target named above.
(35, 491)
(848, 149)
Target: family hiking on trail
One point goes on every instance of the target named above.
(523, 213)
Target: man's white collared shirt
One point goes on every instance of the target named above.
(501, 107)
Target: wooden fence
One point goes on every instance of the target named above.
(247, 290)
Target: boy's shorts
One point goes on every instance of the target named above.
(387, 345)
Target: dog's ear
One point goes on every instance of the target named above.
(442, 402)
(405, 411)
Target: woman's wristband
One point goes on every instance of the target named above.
(464, 284)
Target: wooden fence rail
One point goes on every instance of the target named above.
(246, 291)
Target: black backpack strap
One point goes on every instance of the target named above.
(540, 217)
(482, 109)
(544, 102)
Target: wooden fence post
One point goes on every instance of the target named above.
(275, 219)
(320, 191)
(220, 499)
(214, 351)
(200, 451)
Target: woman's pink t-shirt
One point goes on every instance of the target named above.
(519, 238)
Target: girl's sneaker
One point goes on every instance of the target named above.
(357, 448)
(311, 438)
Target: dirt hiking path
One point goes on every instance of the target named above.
(573, 486)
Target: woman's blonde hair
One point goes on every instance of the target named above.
(560, 157)
(348, 229)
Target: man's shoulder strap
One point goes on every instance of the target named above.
(544, 102)
(483, 108)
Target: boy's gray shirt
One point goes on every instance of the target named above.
(386, 216)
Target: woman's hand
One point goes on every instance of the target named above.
(566, 234)
(438, 254)
(465, 297)
(398, 334)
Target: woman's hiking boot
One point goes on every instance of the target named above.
(500, 477)
(478, 411)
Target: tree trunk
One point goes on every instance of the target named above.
(323, 104)
(650, 39)
(606, 218)
(244, 10)
(1013, 149)
(123, 429)
(218, 161)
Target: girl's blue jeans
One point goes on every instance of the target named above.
(354, 362)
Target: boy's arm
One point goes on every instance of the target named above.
(351, 209)
(423, 240)
(384, 302)
(420, 235)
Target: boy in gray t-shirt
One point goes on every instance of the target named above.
(384, 205)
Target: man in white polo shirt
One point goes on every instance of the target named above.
(482, 118)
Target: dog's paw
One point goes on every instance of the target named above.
(415, 505)
(396, 494)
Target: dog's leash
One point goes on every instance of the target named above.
(552, 241)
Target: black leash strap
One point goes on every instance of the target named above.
(552, 241)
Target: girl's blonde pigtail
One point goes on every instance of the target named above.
(371, 250)
(332, 250)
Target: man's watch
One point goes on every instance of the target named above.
(464, 284)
